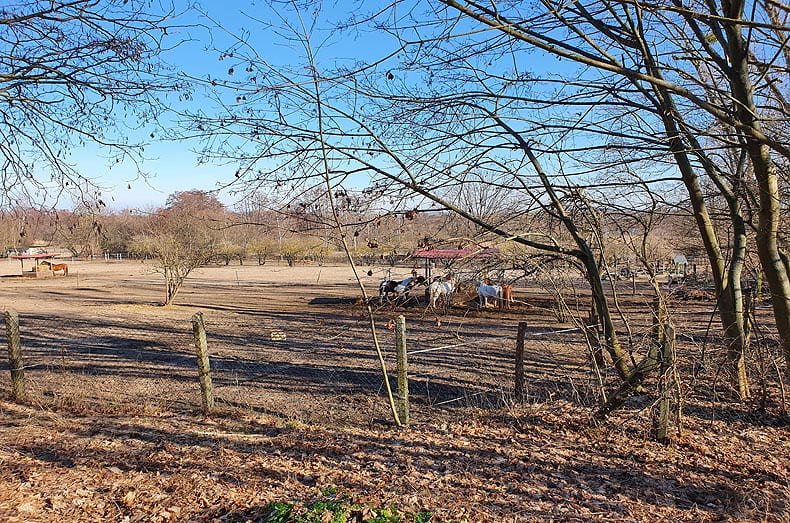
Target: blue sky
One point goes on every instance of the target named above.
(170, 165)
(174, 166)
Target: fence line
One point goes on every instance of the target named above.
(150, 363)
(489, 339)
(129, 362)
(475, 342)
(462, 397)
(505, 360)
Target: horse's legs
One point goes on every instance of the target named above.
(407, 299)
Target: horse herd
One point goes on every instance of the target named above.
(441, 290)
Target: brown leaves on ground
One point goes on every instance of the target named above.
(534, 463)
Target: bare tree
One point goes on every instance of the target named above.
(76, 74)
(262, 249)
(182, 237)
(736, 92)
(626, 115)
(425, 147)
(79, 231)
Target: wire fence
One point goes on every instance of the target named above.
(328, 373)
(480, 370)
(270, 368)
(267, 366)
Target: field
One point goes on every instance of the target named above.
(112, 426)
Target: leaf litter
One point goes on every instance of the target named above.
(538, 463)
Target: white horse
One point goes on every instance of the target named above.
(488, 291)
(441, 289)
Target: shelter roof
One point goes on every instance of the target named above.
(34, 256)
(451, 254)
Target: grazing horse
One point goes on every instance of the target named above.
(507, 296)
(398, 288)
(441, 289)
(404, 286)
(387, 287)
(488, 291)
(56, 267)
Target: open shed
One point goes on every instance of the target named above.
(38, 269)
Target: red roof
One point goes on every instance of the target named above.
(33, 256)
(451, 254)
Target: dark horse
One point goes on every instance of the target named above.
(398, 289)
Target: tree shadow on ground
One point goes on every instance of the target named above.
(528, 475)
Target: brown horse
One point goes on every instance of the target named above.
(506, 300)
(56, 267)
(507, 296)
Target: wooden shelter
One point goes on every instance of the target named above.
(38, 270)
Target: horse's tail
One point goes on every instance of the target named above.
(65, 270)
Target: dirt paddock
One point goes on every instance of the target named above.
(111, 428)
(103, 323)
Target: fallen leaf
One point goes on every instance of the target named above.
(128, 499)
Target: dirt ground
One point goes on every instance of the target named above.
(112, 429)
(104, 320)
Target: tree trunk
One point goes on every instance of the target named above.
(732, 313)
(767, 247)
(620, 359)
(727, 283)
(769, 213)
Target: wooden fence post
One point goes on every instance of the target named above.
(522, 334)
(665, 381)
(204, 368)
(403, 376)
(15, 355)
